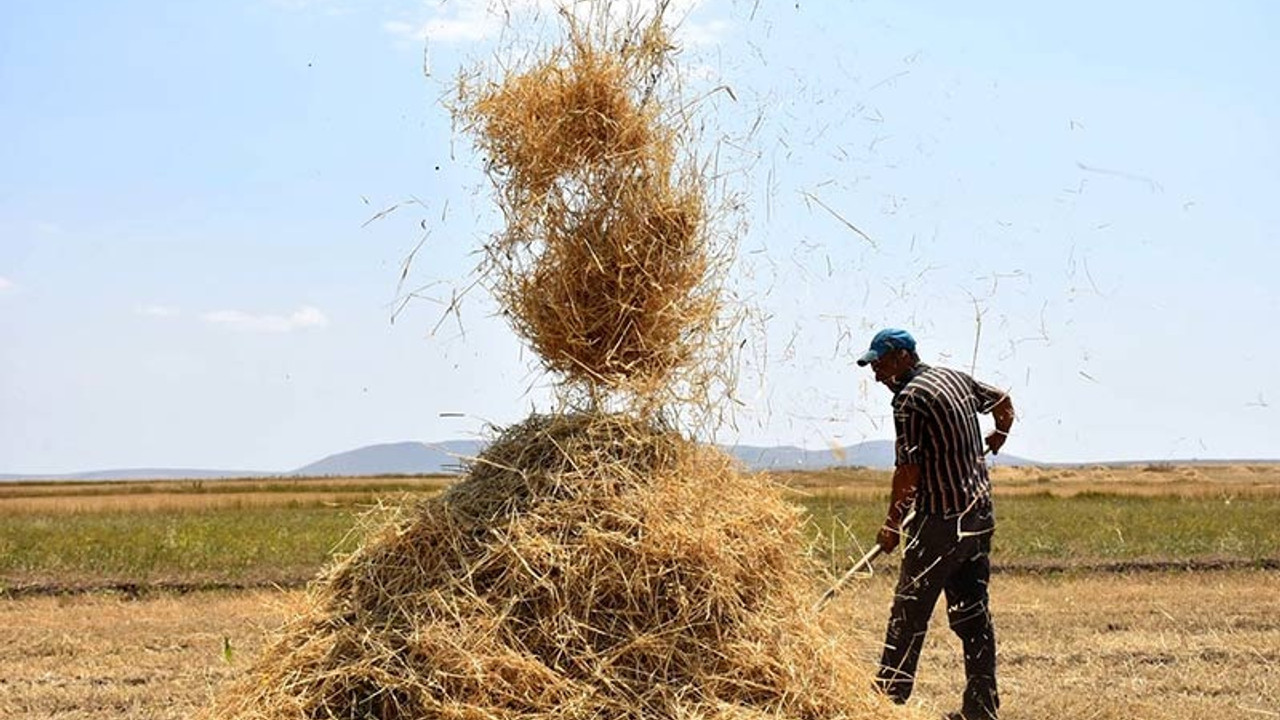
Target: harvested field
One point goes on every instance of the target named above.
(1099, 645)
(1223, 480)
(1115, 647)
(1142, 647)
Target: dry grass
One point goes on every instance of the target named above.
(1115, 647)
(21, 498)
(155, 502)
(1141, 647)
(103, 656)
(1169, 480)
(38, 488)
(1258, 480)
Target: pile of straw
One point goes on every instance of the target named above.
(589, 566)
(605, 264)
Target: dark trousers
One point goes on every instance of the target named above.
(950, 555)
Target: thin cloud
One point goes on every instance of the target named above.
(463, 21)
(446, 30)
(6, 284)
(476, 20)
(328, 6)
(303, 318)
(158, 311)
(710, 32)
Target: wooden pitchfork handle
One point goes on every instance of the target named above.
(858, 567)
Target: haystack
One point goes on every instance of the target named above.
(591, 564)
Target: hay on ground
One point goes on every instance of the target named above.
(588, 567)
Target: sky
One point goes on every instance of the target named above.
(1073, 201)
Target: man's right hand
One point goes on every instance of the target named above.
(888, 536)
(906, 478)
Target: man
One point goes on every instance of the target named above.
(940, 471)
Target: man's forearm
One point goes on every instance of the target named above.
(1003, 414)
(906, 479)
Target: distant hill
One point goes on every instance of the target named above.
(417, 458)
(402, 458)
(872, 453)
(139, 474)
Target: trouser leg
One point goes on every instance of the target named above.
(970, 618)
(920, 581)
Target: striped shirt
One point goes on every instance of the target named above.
(935, 416)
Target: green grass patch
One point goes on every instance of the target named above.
(289, 542)
(208, 545)
(1086, 529)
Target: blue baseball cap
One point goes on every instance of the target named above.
(887, 341)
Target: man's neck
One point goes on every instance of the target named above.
(906, 376)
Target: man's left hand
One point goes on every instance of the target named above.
(995, 441)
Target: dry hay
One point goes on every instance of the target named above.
(588, 567)
(606, 264)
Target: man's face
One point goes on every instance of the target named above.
(888, 367)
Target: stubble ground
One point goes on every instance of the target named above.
(1157, 646)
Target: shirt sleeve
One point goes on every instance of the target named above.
(988, 396)
(908, 432)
